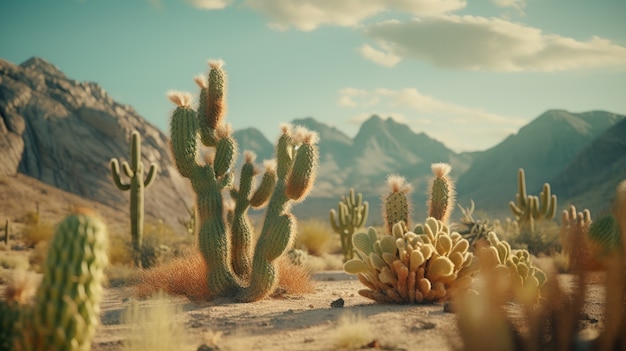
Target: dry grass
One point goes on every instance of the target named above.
(316, 237)
(34, 233)
(153, 327)
(352, 332)
(186, 276)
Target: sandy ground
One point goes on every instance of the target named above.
(307, 322)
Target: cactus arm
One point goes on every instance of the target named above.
(241, 229)
(115, 172)
(151, 174)
(127, 170)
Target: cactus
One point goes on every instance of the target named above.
(528, 209)
(524, 278)
(396, 205)
(136, 185)
(234, 267)
(576, 240)
(441, 201)
(428, 264)
(474, 230)
(351, 214)
(604, 234)
(66, 310)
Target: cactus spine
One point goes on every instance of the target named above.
(67, 305)
(528, 209)
(351, 214)
(136, 185)
(441, 201)
(233, 266)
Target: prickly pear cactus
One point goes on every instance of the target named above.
(428, 264)
(524, 278)
(67, 306)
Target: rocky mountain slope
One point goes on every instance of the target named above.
(589, 181)
(544, 148)
(64, 132)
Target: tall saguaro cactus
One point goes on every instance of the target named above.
(351, 214)
(134, 171)
(234, 267)
(528, 209)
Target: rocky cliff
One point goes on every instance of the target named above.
(64, 132)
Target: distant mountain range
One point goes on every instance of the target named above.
(64, 132)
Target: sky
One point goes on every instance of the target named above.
(466, 72)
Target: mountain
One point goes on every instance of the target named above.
(252, 139)
(544, 148)
(64, 132)
(589, 181)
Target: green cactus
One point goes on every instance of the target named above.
(351, 214)
(441, 201)
(134, 171)
(66, 310)
(428, 264)
(247, 273)
(528, 209)
(605, 235)
(396, 205)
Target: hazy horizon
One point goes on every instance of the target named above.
(466, 73)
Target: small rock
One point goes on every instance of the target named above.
(337, 303)
(204, 347)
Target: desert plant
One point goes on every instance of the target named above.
(441, 202)
(472, 229)
(553, 324)
(7, 227)
(575, 229)
(65, 313)
(528, 209)
(351, 214)
(353, 331)
(424, 265)
(19, 290)
(134, 171)
(315, 237)
(190, 222)
(514, 267)
(227, 250)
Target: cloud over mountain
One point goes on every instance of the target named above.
(490, 44)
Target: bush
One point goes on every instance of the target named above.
(316, 237)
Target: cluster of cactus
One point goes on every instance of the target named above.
(428, 264)
(235, 268)
(575, 239)
(529, 209)
(526, 279)
(351, 215)
(67, 303)
(136, 185)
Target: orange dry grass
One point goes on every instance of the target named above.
(186, 276)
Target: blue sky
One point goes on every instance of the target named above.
(467, 73)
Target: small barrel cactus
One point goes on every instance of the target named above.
(428, 264)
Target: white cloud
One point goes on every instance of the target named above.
(491, 44)
(378, 56)
(307, 15)
(516, 4)
(459, 127)
(209, 4)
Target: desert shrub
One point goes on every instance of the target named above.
(154, 327)
(545, 239)
(30, 218)
(38, 256)
(37, 232)
(8, 261)
(325, 262)
(120, 275)
(352, 332)
(316, 237)
(160, 244)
